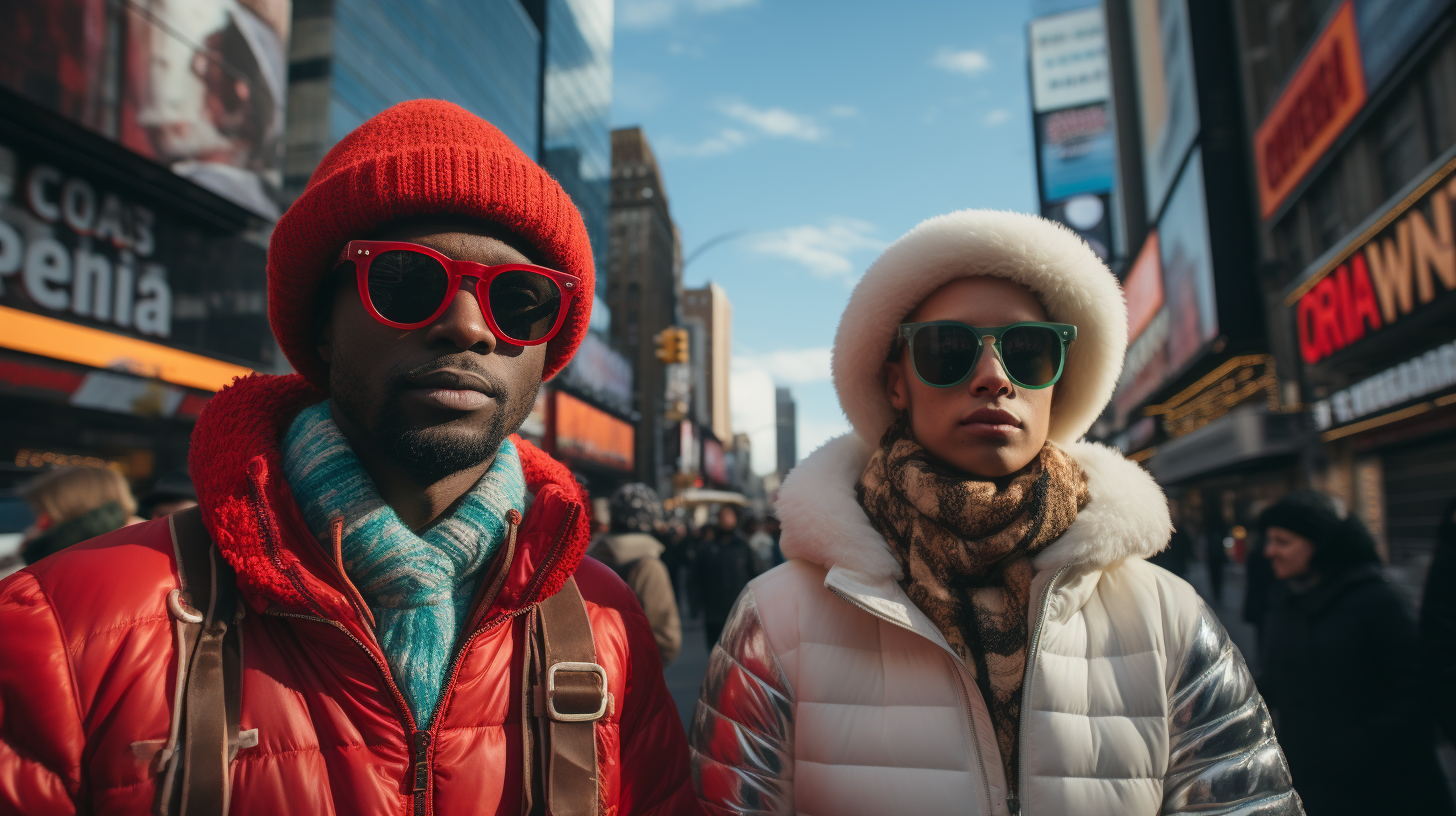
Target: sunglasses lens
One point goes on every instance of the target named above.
(524, 304)
(944, 355)
(407, 287)
(1032, 354)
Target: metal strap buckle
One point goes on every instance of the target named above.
(588, 668)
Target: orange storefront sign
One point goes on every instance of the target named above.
(1321, 99)
(589, 434)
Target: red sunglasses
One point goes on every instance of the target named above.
(408, 286)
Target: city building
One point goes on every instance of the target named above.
(709, 312)
(643, 286)
(787, 431)
(576, 104)
(1352, 138)
(351, 59)
(1198, 402)
(140, 166)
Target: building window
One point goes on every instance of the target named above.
(1400, 142)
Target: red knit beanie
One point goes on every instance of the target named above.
(424, 157)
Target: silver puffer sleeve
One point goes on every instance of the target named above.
(1223, 757)
(743, 728)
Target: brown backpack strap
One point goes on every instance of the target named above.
(208, 703)
(568, 694)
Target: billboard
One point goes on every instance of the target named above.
(198, 86)
(1167, 94)
(1146, 365)
(76, 250)
(1077, 150)
(1187, 258)
(1319, 102)
(1068, 60)
(1356, 51)
(590, 435)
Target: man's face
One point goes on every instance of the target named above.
(727, 519)
(440, 399)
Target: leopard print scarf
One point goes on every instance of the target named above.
(966, 545)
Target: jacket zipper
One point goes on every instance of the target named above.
(960, 686)
(421, 740)
(1014, 800)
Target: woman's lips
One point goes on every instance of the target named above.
(991, 423)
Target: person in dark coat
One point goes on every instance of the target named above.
(724, 567)
(1174, 557)
(1341, 670)
(1438, 625)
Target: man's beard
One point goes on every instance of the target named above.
(430, 454)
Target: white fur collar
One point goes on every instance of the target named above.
(1126, 517)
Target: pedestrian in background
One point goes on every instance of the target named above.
(632, 552)
(966, 623)
(1341, 669)
(1438, 624)
(1174, 557)
(762, 545)
(1218, 518)
(724, 567)
(72, 505)
(171, 493)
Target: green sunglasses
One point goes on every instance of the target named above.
(945, 352)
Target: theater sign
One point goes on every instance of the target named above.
(1375, 320)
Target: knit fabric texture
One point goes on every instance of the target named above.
(418, 586)
(418, 158)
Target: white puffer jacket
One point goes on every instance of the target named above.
(831, 694)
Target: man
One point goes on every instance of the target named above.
(393, 542)
(724, 567)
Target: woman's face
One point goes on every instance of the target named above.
(986, 426)
(1289, 553)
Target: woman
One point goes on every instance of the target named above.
(72, 505)
(1341, 669)
(966, 623)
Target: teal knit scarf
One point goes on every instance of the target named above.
(418, 587)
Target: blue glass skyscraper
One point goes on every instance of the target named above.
(576, 140)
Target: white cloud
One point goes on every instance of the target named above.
(752, 408)
(775, 122)
(726, 140)
(999, 116)
(969, 62)
(823, 250)
(640, 14)
(844, 111)
(792, 366)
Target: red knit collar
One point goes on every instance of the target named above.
(236, 465)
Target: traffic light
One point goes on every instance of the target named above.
(672, 345)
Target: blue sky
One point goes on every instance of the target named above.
(823, 130)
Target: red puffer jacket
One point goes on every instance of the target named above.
(88, 664)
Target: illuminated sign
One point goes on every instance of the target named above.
(1143, 288)
(1388, 272)
(1430, 372)
(1321, 99)
(589, 434)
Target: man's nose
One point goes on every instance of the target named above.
(989, 378)
(463, 323)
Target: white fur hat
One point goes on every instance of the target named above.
(1073, 285)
